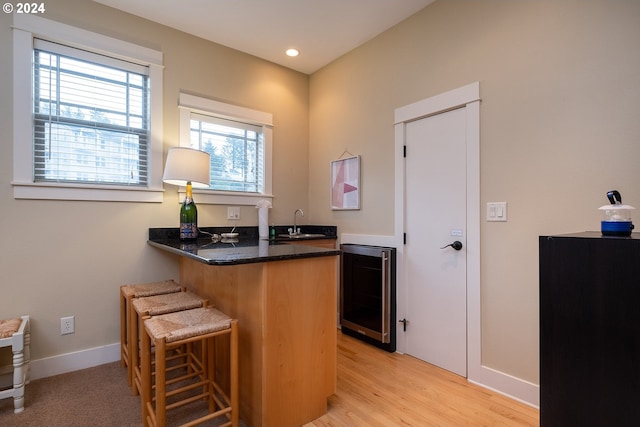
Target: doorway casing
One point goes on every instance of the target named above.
(468, 97)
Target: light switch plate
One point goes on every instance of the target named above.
(497, 211)
(233, 212)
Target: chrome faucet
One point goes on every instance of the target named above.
(295, 229)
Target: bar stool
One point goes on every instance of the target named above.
(127, 294)
(185, 328)
(15, 333)
(154, 306)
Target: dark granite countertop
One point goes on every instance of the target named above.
(250, 233)
(247, 248)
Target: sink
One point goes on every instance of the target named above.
(302, 236)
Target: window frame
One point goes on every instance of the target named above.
(191, 104)
(25, 29)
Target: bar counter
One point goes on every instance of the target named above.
(241, 252)
(285, 298)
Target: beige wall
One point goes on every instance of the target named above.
(560, 125)
(68, 258)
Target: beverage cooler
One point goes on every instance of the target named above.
(368, 294)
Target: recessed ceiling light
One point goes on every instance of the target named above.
(292, 52)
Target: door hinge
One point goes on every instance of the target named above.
(404, 238)
(404, 151)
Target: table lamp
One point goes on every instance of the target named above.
(191, 168)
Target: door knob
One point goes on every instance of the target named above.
(457, 245)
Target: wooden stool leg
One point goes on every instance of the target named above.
(136, 327)
(210, 372)
(146, 386)
(127, 342)
(204, 360)
(161, 383)
(233, 352)
(122, 329)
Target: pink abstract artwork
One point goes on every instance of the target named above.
(345, 183)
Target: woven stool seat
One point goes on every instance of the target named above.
(196, 331)
(128, 293)
(167, 303)
(186, 324)
(9, 327)
(150, 289)
(15, 333)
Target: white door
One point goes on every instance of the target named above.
(435, 217)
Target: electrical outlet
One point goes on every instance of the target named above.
(233, 212)
(67, 325)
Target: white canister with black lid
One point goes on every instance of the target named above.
(617, 217)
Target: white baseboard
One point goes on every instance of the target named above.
(508, 385)
(63, 363)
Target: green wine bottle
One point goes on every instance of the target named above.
(188, 217)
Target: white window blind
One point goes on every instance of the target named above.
(91, 117)
(236, 150)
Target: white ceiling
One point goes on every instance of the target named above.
(322, 30)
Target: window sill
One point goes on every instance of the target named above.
(208, 197)
(54, 191)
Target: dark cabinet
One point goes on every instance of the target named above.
(589, 330)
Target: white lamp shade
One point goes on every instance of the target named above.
(186, 164)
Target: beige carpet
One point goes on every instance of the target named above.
(96, 396)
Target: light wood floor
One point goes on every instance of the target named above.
(377, 388)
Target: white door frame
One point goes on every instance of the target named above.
(467, 96)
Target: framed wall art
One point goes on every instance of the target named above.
(345, 183)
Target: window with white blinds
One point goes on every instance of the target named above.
(239, 141)
(91, 117)
(87, 115)
(236, 150)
